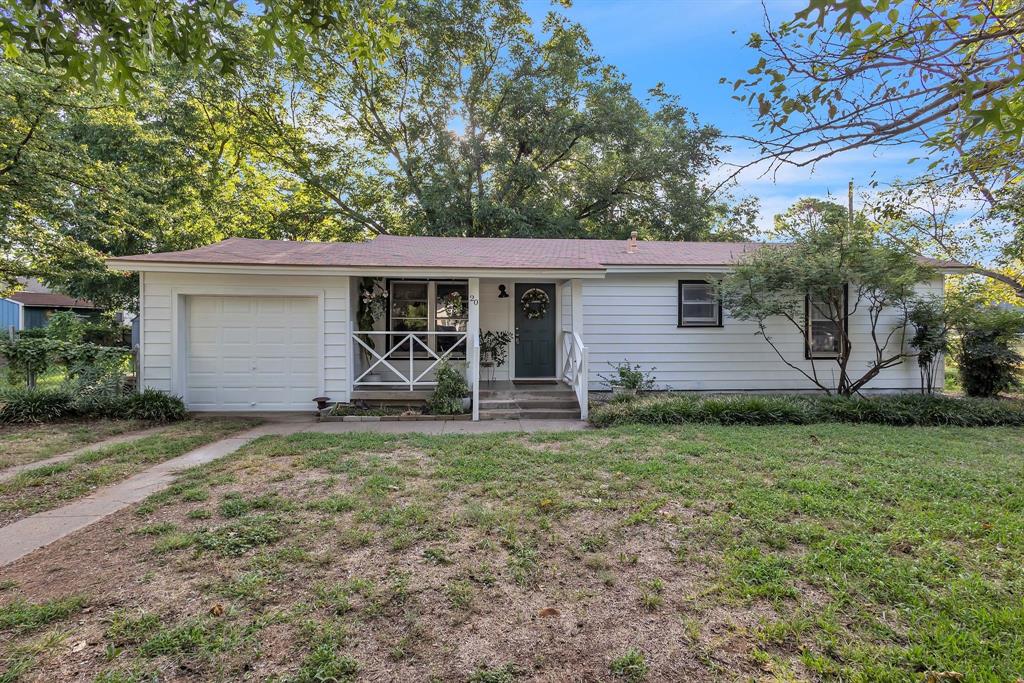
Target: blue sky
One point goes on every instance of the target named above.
(689, 45)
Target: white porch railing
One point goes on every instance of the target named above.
(575, 362)
(404, 342)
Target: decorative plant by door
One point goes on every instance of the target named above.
(494, 345)
(373, 303)
(535, 303)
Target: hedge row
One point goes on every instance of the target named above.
(899, 410)
(50, 405)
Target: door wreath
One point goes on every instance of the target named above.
(535, 303)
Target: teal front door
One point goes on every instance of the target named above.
(535, 330)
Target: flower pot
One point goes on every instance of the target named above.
(467, 404)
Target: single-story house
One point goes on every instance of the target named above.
(261, 325)
(32, 306)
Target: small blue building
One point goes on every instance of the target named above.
(32, 306)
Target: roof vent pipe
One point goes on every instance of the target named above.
(631, 243)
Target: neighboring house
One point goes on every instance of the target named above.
(269, 325)
(33, 305)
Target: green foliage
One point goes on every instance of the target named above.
(842, 265)
(65, 326)
(899, 410)
(20, 616)
(137, 37)
(931, 325)
(631, 666)
(51, 405)
(630, 378)
(988, 353)
(450, 390)
(154, 406)
(242, 535)
(495, 344)
(35, 405)
(324, 663)
(28, 357)
(553, 141)
(857, 66)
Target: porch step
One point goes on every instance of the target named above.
(532, 414)
(567, 403)
(530, 402)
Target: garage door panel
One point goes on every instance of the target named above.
(252, 353)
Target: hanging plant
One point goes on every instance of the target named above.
(534, 303)
(373, 305)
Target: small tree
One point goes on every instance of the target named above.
(838, 264)
(931, 322)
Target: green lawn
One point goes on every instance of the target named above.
(824, 552)
(48, 486)
(22, 444)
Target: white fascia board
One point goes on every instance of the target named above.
(361, 271)
(669, 269)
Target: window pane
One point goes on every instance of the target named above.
(700, 312)
(698, 292)
(408, 325)
(409, 309)
(409, 291)
(825, 337)
(452, 303)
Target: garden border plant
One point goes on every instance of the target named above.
(904, 410)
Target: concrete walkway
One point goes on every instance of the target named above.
(30, 534)
(11, 472)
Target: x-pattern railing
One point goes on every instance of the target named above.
(408, 342)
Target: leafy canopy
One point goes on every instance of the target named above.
(479, 125)
(944, 77)
(115, 44)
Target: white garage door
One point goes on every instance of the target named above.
(252, 353)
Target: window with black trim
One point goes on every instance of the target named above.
(700, 304)
(825, 323)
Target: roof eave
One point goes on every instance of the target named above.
(151, 266)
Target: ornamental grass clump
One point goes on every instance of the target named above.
(904, 410)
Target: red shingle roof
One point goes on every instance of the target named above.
(457, 252)
(49, 300)
(390, 251)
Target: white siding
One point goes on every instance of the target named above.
(163, 322)
(634, 317)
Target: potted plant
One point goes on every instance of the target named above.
(494, 347)
(629, 379)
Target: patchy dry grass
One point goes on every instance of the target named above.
(22, 444)
(48, 486)
(770, 553)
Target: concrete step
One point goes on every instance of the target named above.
(532, 414)
(549, 414)
(500, 404)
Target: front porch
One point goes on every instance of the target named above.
(404, 328)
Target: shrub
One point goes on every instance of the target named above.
(629, 378)
(450, 390)
(35, 405)
(100, 404)
(154, 406)
(897, 410)
(988, 360)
